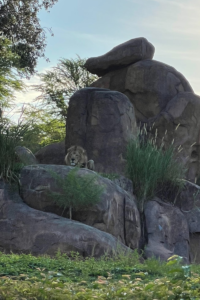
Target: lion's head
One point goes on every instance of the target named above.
(76, 156)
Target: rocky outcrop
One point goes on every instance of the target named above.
(189, 203)
(179, 122)
(149, 85)
(27, 230)
(120, 56)
(116, 213)
(162, 97)
(167, 230)
(25, 156)
(102, 122)
(52, 154)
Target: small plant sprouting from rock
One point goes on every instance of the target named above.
(77, 191)
(153, 170)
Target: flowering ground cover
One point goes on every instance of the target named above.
(121, 277)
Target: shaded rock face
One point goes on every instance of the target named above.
(194, 248)
(180, 119)
(122, 55)
(52, 154)
(149, 85)
(27, 230)
(102, 122)
(167, 230)
(163, 97)
(116, 213)
(25, 156)
(189, 203)
(125, 183)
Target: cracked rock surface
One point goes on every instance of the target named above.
(162, 97)
(27, 230)
(167, 230)
(116, 213)
(149, 85)
(102, 122)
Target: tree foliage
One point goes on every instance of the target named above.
(43, 128)
(19, 23)
(60, 83)
(9, 80)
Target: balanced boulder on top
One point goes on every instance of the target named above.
(120, 56)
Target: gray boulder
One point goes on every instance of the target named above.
(149, 85)
(27, 230)
(116, 213)
(120, 56)
(102, 122)
(167, 230)
(189, 203)
(25, 156)
(52, 154)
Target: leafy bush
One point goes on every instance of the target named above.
(76, 191)
(10, 137)
(152, 169)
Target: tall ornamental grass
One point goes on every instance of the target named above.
(153, 170)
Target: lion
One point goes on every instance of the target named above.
(77, 156)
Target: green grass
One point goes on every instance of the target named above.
(121, 277)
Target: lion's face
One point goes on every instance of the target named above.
(76, 156)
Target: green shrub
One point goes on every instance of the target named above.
(76, 191)
(10, 137)
(153, 170)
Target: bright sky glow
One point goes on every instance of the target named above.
(93, 27)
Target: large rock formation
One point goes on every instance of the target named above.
(180, 120)
(27, 230)
(163, 97)
(116, 213)
(102, 119)
(102, 122)
(149, 85)
(120, 56)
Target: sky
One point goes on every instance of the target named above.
(91, 28)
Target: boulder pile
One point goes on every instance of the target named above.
(134, 91)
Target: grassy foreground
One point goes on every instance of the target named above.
(122, 277)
